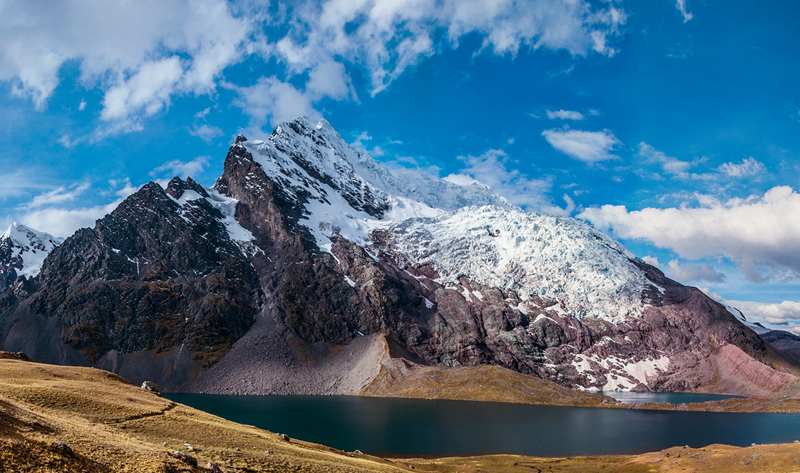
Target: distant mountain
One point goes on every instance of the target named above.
(22, 252)
(309, 268)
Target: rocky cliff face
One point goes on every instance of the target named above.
(308, 266)
(161, 282)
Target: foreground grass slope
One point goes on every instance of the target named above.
(107, 425)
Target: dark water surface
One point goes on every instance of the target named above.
(413, 426)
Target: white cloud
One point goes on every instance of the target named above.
(387, 37)
(57, 196)
(126, 189)
(121, 47)
(587, 146)
(693, 272)
(564, 115)
(652, 261)
(182, 168)
(19, 183)
(206, 132)
(43, 213)
(687, 272)
(63, 222)
(771, 313)
(748, 167)
(142, 54)
(670, 165)
(271, 100)
(146, 92)
(68, 142)
(681, 6)
(329, 79)
(491, 169)
(759, 233)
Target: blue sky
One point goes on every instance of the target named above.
(673, 125)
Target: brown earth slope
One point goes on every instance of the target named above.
(112, 426)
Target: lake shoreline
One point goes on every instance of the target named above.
(111, 425)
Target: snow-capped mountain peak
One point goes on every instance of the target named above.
(24, 249)
(457, 224)
(344, 191)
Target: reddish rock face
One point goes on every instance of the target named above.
(230, 290)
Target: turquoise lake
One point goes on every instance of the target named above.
(438, 428)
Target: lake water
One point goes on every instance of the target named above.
(672, 398)
(421, 427)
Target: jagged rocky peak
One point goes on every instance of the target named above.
(313, 163)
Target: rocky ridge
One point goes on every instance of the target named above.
(306, 258)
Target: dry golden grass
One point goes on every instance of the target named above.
(113, 426)
(475, 383)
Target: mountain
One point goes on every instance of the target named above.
(308, 268)
(22, 252)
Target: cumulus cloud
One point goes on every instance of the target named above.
(772, 313)
(272, 101)
(182, 168)
(140, 53)
(687, 272)
(681, 6)
(759, 233)
(587, 146)
(748, 167)
(564, 115)
(388, 37)
(491, 169)
(694, 272)
(146, 92)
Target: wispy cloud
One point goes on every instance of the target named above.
(59, 195)
(491, 168)
(184, 169)
(19, 183)
(587, 146)
(64, 222)
(681, 6)
(759, 233)
(669, 165)
(748, 167)
(206, 132)
(52, 212)
(564, 115)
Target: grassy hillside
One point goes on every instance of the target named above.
(107, 425)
